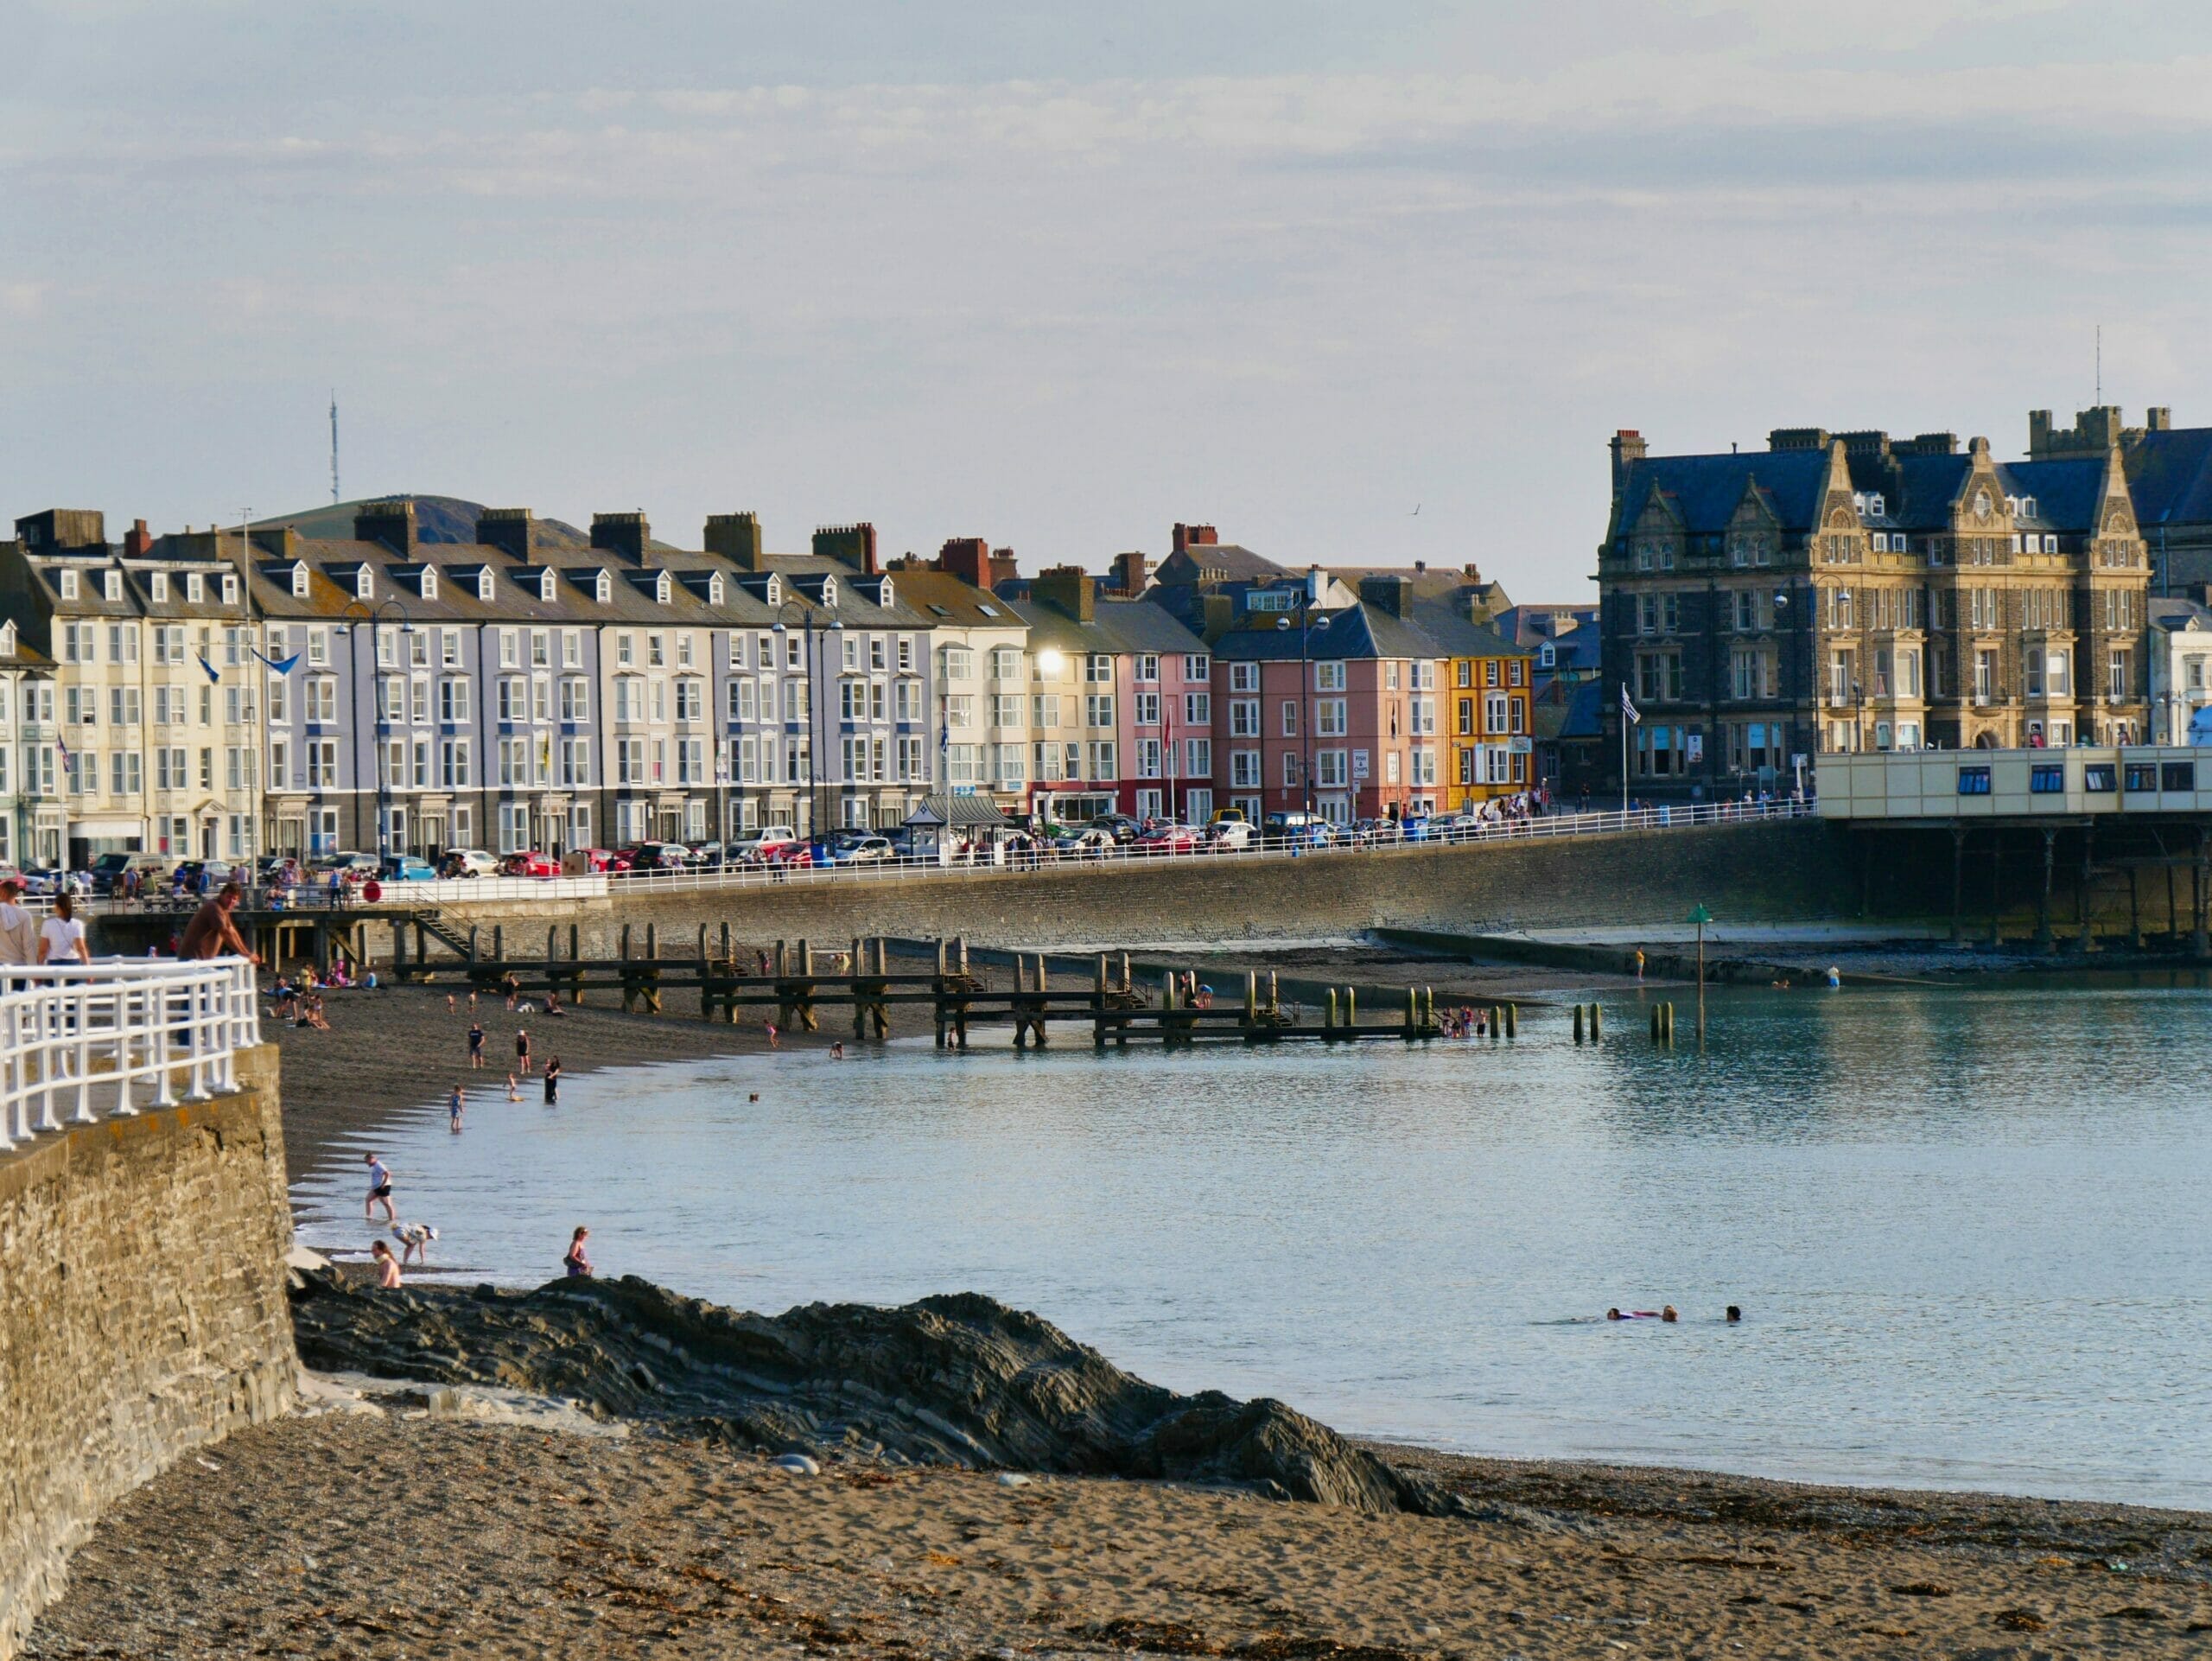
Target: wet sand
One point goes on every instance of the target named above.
(380, 1536)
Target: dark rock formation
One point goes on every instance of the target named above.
(957, 1380)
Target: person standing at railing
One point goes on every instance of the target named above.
(210, 933)
(19, 944)
(62, 935)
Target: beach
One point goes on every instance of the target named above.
(378, 1535)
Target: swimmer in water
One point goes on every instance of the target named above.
(1615, 1314)
(1734, 1314)
(1668, 1314)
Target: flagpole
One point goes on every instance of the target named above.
(1623, 746)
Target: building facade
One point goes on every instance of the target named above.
(1846, 591)
(30, 807)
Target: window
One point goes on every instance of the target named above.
(452, 699)
(2178, 775)
(1102, 759)
(959, 663)
(1329, 718)
(1006, 663)
(322, 763)
(2099, 776)
(1245, 717)
(1244, 770)
(453, 769)
(690, 697)
(1243, 678)
(1198, 758)
(2046, 778)
(1197, 709)
(1098, 707)
(1196, 666)
(1147, 666)
(1329, 677)
(1973, 781)
(1290, 717)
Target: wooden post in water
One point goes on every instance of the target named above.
(625, 942)
(1597, 1024)
(1329, 1015)
(726, 954)
(499, 945)
(1513, 1021)
(1655, 1025)
(653, 941)
(1577, 1023)
(1351, 1007)
(940, 957)
(1251, 996)
(782, 960)
(1126, 984)
(1274, 1005)
(472, 951)
(1413, 1010)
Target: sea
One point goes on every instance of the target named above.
(1969, 1231)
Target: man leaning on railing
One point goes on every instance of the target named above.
(210, 933)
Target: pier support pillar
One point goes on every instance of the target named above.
(1958, 882)
(2044, 940)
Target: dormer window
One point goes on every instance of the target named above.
(484, 585)
(1877, 506)
(160, 583)
(299, 581)
(112, 588)
(230, 589)
(194, 589)
(365, 584)
(883, 592)
(2028, 506)
(715, 588)
(829, 592)
(2011, 504)
(545, 587)
(603, 588)
(775, 595)
(8, 638)
(430, 582)
(660, 588)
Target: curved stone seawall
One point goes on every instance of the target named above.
(1777, 871)
(143, 1314)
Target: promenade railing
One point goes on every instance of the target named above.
(312, 896)
(122, 1031)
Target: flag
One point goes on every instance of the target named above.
(68, 761)
(209, 667)
(281, 668)
(1628, 709)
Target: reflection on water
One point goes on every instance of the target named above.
(1967, 1228)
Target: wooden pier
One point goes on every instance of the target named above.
(793, 984)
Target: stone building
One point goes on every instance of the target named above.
(157, 733)
(1847, 591)
(2169, 478)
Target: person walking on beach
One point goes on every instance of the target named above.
(578, 1261)
(475, 1043)
(1639, 962)
(522, 1052)
(514, 1089)
(387, 1266)
(455, 1104)
(553, 1081)
(771, 1026)
(380, 1189)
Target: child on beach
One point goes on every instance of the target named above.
(771, 1026)
(514, 1089)
(454, 1103)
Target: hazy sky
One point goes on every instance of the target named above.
(1060, 274)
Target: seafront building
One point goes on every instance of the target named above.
(30, 805)
(1847, 591)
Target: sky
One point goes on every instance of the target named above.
(1366, 284)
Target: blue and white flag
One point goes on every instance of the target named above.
(68, 761)
(209, 667)
(1628, 709)
(284, 667)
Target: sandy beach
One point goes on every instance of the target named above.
(380, 1535)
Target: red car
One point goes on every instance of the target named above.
(601, 859)
(1169, 839)
(788, 854)
(532, 864)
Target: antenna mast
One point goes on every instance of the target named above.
(2101, 365)
(334, 447)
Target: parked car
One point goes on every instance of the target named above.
(1121, 826)
(753, 846)
(360, 864)
(793, 854)
(1369, 832)
(408, 868)
(1228, 816)
(529, 863)
(218, 872)
(1229, 835)
(467, 861)
(581, 862)
(857, 848)
(108, 870)
(1282, 824)
(1168, 837)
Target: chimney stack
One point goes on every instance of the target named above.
(511, 530)
(137, 541)
(1628, 447)
(391, 522)
(1132, 572)
(1386, 590)
(1068, 589)
(848, 545)
(967, 558)
(736, 538)
(1188, 536)
(627, 534)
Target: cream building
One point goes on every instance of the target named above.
(981, 648)
(31, 811)
(156, 734)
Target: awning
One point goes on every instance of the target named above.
(90, 828)
(959, 812)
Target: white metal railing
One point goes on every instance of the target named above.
(996, 861)
(117, 1029)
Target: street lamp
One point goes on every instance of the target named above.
(815, 716)
(1307, 629)
(373, 616)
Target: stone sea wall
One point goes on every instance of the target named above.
(143, 1314)
(1778, 871)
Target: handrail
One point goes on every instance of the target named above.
(114, 1026)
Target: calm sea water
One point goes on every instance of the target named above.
(1968, 1228)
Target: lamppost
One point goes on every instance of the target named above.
(1307, 630)
(373, 616)
(815, 728)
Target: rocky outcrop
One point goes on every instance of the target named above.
(956, 1380)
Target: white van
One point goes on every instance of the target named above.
(754, 846)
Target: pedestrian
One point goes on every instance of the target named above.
(514, 1089)
(212, 933)
(1639, 962)
(449, 1006)
(414, 1241)
(475, 1044)
(771, 1026)
(62, 935)
(380, 1189)
(387, 1265)
(522, 1052)
(578, 1261)
(472, 1000)
(455, 1104)
(553, 1081)
(19, 940)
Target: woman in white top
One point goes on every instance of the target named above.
(62, 935)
